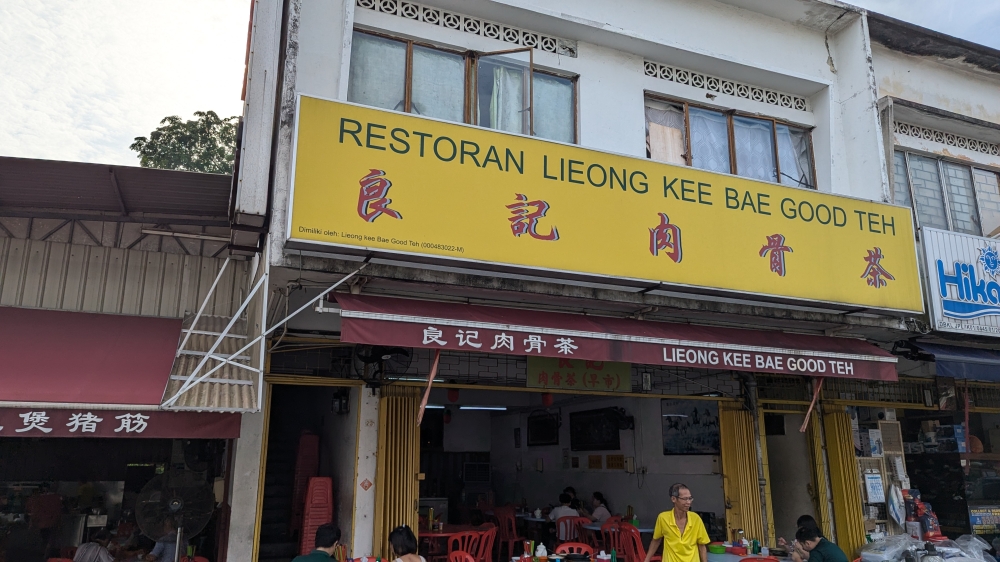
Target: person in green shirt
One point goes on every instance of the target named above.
(327, 537)
(819, 549)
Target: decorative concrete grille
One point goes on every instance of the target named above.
(469, 24)
(949, 139)
(723, 86)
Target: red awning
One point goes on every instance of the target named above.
(461, 327)
(56, 357)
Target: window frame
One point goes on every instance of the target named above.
(940, 161)
(730, 113)
(470, 91)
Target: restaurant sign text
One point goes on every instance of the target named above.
(417, 189)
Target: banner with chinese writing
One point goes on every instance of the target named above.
(578, 374)
(411, 188)
(491, 329)
(150, 424)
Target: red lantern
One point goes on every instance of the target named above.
(547, 399)
(453, 395)
(447, 416)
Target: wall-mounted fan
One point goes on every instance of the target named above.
(380, 365)
(177, 503)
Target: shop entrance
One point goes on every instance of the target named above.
(309, 471)
(484, 449)
(790, 471)
(58, 493)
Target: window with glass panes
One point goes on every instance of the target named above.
(500, 91)
(726, 141)
(948, 195)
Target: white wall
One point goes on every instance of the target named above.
(364, 500)
(516, 476)
(246, 479)
(468, 432)
(926, 81)
(338, 458)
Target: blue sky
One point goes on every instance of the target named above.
(80, 80)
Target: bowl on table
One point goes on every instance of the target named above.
(717, 548)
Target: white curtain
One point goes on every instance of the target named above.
(754, 148)
(438, 84)
(378, 72)
(709, 140)
(507, 111)
(665, 134)
(554, 108)
(793, 157)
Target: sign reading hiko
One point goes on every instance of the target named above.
(418, 189)
(964, 291)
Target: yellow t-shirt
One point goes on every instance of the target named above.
(677, 548)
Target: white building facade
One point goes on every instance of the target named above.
(791, 93)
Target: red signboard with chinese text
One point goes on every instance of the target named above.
(149, 424)
(579, 374)
(487, 329)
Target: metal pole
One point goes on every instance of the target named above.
(219, 340)
(177, 547)
(204, 303)
(277, 325)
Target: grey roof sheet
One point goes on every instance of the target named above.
(80, 186)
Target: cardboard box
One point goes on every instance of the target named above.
(928, 426)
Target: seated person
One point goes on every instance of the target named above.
(574, 502)
(601, 512)
(167, 545)
(404, 545)
(96, 550)
(819, 549)
(802, 521)
(563, 510)
(327, 538)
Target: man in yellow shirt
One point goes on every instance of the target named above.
(680, 530)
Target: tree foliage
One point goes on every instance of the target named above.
(203, 145)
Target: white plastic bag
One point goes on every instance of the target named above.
(973, 546)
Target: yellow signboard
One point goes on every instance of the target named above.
(384, 181)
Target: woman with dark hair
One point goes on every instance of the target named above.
(601, 512)
(404, 545)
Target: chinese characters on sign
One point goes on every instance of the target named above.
(373, 201)
(84, 422)
(577, 374)
(776, 246)
(524, 222)
(532, 343)
(875, 273)
(666, 238)
(71, 422)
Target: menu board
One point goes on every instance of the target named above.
(985, 519)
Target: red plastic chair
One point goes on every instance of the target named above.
(631, 541)
(486, 541)
(575, 548)
(318, 510)
(460, 556)
(611, 535)
(507, 532)
(306, 467)
(566, 529)
(464, 542)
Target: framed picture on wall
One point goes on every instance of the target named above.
(690, 427)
